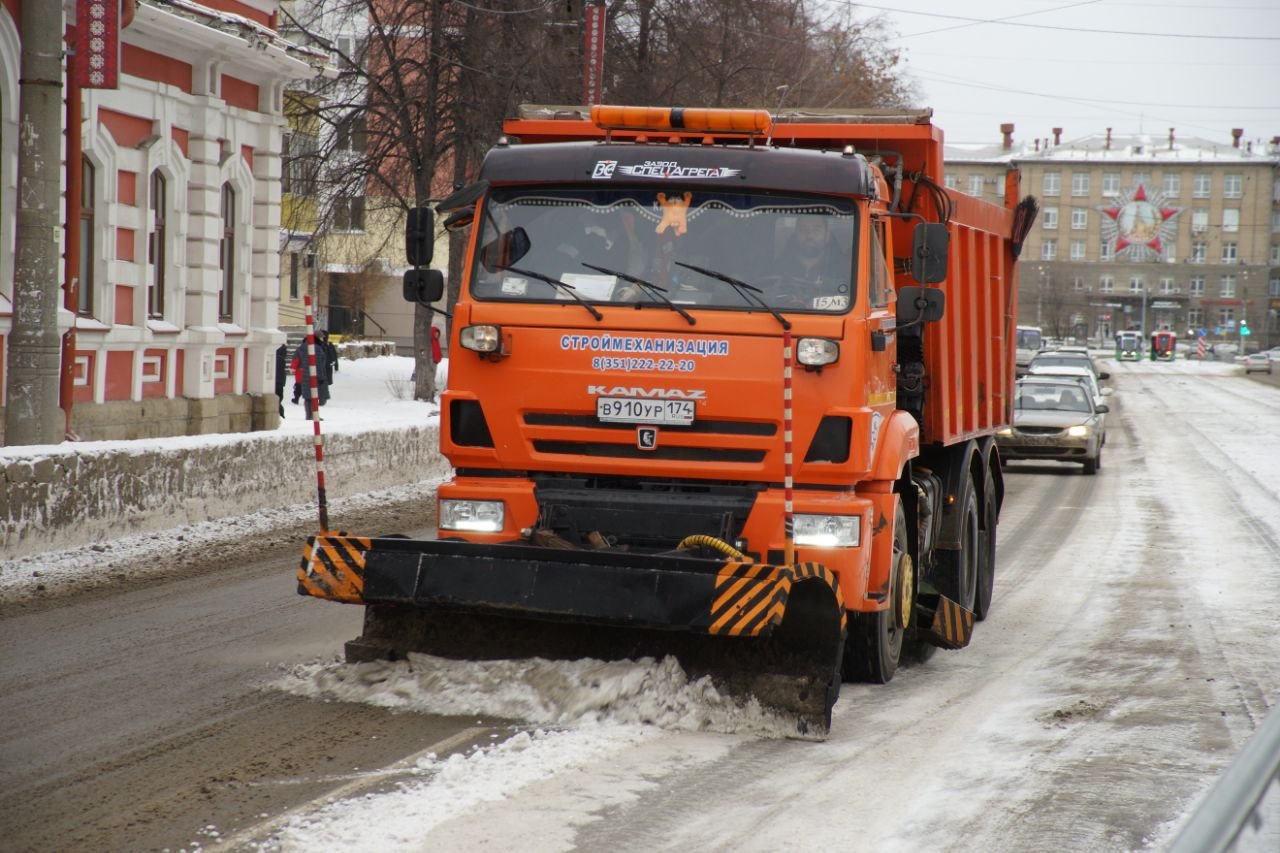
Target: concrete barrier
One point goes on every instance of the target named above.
(64, 498)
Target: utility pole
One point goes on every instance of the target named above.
(32, 415)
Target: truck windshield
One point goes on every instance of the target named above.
(798, 251)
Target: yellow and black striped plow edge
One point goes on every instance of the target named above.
(952, 624)
(333, 567)
(751, 598)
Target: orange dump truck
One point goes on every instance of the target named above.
(723, 384)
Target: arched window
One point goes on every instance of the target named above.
(155, 246)
(227, 253)
(84, 305)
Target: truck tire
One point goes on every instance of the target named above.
(961, 566)
(874, 644)
(986, 551)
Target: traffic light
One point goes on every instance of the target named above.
(1244, 329)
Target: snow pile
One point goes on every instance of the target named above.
(543, 692)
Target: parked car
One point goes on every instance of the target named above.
(1273, 354)
(1257, 362)
(1067, 358)
(1053, 418)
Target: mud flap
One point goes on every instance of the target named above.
(772, 632)
(950, 626)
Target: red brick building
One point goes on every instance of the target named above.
(173, 183)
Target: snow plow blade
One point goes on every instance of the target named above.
(772, 632)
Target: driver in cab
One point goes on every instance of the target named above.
(808, 265)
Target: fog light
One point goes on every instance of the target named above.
(828, 531)
(476, 516)
(1078, 431)
(481, 338)
(815, 352)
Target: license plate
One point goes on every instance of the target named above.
(633, 410)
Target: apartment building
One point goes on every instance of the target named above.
(1143, 232)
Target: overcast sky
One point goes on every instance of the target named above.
(1200, 66)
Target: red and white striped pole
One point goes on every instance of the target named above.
(313, 394)
(788, 522)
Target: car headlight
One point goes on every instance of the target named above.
(476, 516)
(1078, 431)
(480, 338)
(828, 531)
(815, 352)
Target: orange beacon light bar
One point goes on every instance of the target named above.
(746, 122)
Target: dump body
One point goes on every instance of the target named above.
(707, 353)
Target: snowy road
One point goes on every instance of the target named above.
(1132, 649)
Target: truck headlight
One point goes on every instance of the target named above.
(1078, 431)
(1007, 431)
(815, 352)
(480, 338)
(828, 531)
(476, 516)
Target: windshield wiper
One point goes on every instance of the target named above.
(747, 291)
(555, 282)
(653, 290)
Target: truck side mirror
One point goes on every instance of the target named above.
(425, 286)
(929, 244)
(419, 236)
(505, 249)
(920, 304)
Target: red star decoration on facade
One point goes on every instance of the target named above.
(1139, 196)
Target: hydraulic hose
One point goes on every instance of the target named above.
(711, 542)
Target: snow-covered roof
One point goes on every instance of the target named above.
(1120, 148)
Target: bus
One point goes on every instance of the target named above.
(1029, 342)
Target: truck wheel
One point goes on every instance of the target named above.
(959, 569)
(986, 552)
(874, 645)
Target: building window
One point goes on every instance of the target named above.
(1202, 186)
(1228, 290)
(1195, 317)
(227, 254)
(1052, 184)
(155, 245)
(293, 275)
(975, 185)
(1106, 283)
(1226, 317)
(1142, 179)
(1107, 250)
(348, 213)
(1169, 251)
(1077, 250)
(298, 174)
(1275, 255)
(1049, 250)
(1273, 287)
(1077, 284)
(1198, 251)
(1167, 285)
(952, 182)
(1172, 184)
(1232, 186)
(353, 134)
(1110, 183)
(1137, 284)
(1231, 219)
(1196, 285)
(1079, 219)
(1199, 220)
(84, 305)
(1079, 183)
(1275, 221)
(1229, 253)
(1050, 217)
